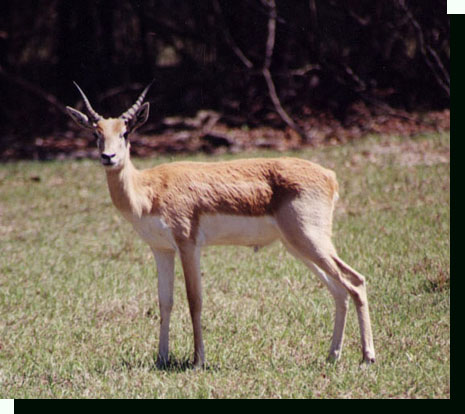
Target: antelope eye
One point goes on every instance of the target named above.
(126, 135)
(96, 135)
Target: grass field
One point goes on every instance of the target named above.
(78, 301)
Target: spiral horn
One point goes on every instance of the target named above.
(93, 114)
(133, 109)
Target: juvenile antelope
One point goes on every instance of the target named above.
(182, 206)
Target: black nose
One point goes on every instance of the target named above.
(107, 157)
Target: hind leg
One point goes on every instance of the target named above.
(341, 301)
(308, 233)
(355, 284)
(363, 314)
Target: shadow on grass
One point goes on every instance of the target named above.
(172, 365)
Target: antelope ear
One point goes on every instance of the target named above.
(139, 118)
(79, 118)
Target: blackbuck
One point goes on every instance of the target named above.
(181, 207)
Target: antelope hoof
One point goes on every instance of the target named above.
(368, 359)
(162, 363)
(333, 357)
(199, 366)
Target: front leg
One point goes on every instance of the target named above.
(165, 270)
(190, 258)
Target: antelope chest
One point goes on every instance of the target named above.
(154, 231)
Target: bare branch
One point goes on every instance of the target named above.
(36, 90)
(229, 39)
(267, 74)
(313, 14)
(304, 70)
(271, 33)
(437, 70)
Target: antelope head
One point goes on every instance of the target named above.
(112, 133)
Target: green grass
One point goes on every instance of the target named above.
(78, 301)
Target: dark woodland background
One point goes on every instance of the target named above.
(228, 74)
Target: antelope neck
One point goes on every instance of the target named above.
(125, 190)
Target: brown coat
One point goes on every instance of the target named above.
(181, 192)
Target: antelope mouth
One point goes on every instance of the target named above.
(108, 163)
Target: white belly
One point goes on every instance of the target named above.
(213, 230)
(237, 230)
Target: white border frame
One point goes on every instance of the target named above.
(455, 6)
